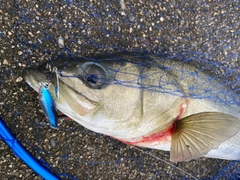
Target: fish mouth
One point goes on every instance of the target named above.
(33, 76)
(78, 104)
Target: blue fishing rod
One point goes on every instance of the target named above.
(7, 136)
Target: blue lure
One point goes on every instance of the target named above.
(47, 104)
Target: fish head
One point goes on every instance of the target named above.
(90, 92)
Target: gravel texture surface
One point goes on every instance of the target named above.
(35, 31)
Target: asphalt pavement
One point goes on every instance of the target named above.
(32, 32)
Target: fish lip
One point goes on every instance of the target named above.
(32, 76)
(26, 76)
(26, 73)
(80, 94)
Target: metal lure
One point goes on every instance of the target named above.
(47, 104)
(57, 82)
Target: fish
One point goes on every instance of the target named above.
(48, 105)
(150, 101)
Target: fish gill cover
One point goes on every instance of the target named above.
(203, 33)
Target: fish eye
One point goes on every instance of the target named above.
(94, 75)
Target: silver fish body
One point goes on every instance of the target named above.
(148, 101)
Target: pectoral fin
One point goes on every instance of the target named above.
(194, 136)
